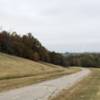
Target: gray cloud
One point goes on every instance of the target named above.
(61, 25)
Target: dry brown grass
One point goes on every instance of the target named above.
(17, 72)
(88, 89)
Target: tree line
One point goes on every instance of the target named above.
(27, 46)
(83, 59)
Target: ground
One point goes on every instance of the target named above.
(18, 72)
(88, 89)
(45, 90)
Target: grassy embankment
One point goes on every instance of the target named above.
(88, 89)
(17, 72)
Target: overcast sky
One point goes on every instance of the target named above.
(61, 25)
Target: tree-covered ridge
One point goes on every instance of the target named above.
(27, 46)
(83, 59)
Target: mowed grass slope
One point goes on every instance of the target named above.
(88, 89)
(17, 72)
(14, 67)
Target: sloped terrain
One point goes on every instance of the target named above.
(17, 72)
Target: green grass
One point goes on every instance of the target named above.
(18, 72)
(88, 89)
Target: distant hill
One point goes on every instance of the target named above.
(85, 59)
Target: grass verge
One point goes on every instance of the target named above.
(17, 72)
(88, 89)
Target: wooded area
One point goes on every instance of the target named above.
(83, 59)
(29, 47)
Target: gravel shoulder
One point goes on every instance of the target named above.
(46, 89)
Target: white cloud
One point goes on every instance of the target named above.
(61, 25)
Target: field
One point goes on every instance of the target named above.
(88, 89)
(17, 72)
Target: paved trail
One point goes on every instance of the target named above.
(44, 90)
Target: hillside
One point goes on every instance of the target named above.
(27, 46)
(17, 72)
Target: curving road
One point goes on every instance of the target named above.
(44, 90)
